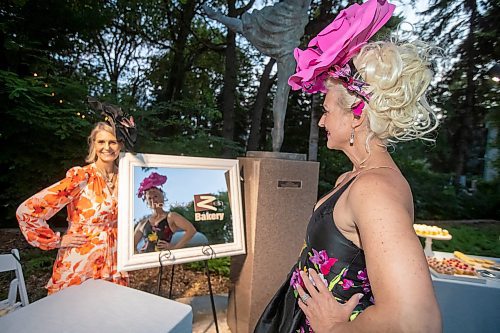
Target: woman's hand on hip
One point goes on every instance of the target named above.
(73, 240)
(320, 307)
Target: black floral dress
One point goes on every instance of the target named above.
(338, 261)
(152, 234)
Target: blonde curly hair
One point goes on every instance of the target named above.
(398, 76)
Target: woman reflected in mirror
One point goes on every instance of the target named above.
(156, 230)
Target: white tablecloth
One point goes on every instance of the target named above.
(468, 306)
(100, 306)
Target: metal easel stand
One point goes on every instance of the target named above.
(168, 256)
(206, 250)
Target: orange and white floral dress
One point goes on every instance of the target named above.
(92, 211)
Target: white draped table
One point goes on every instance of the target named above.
(468, 306)
(100, 306)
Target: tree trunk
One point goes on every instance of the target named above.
(314, 128)
(265, 85)
(113, 77)
(230, 81)
(178, 69)
(463, 142)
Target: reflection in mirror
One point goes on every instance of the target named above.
(177, 203)
(177, 208)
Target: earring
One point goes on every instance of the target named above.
(351, 139)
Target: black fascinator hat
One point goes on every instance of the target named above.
(122, 122)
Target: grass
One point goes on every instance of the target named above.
(35, 260)
(481, 239)
(220, 266)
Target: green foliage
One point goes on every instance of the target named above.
(37, 126)
(332, 165)
(433, 195)
(182, 51)
(464, 31)
(436, 197)
(482, 239)
(42, 127)
(218, 266)
(36, 261)
(183, 128)
(483, 203)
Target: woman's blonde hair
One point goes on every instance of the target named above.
(398, 76)
(100, 126)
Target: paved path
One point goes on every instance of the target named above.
(203, 321)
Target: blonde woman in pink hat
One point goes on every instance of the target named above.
(158, 228)
(362, 268)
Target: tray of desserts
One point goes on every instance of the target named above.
(431, 231)
(477, 261)
(460, 266)
(454, 269)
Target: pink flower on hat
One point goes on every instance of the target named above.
(338, 43)
(153, 180)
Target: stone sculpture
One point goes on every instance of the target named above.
(275, 31)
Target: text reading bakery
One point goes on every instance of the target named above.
(205, 208)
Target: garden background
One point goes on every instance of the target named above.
(196, 89)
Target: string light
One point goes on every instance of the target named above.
(78, 114)
(35, 74)
(60, 101)
(46, 85)
(53, 94)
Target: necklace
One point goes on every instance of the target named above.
(109, 178)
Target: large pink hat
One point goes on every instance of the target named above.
(154, 180)
(338, 43)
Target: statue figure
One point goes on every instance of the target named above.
(275, 31)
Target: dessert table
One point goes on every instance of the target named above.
(100, 306)
(468, 306)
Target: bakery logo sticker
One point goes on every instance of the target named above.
(206, 208)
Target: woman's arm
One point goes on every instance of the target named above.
(33, 213)
(182, 223)
(139, 232)
(382, 208)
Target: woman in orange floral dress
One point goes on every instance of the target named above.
(88, 249)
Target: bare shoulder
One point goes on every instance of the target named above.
(141, 224)
(381, 194)
(173, 216)
(380, 184)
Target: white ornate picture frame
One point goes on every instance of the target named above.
(216, 213)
